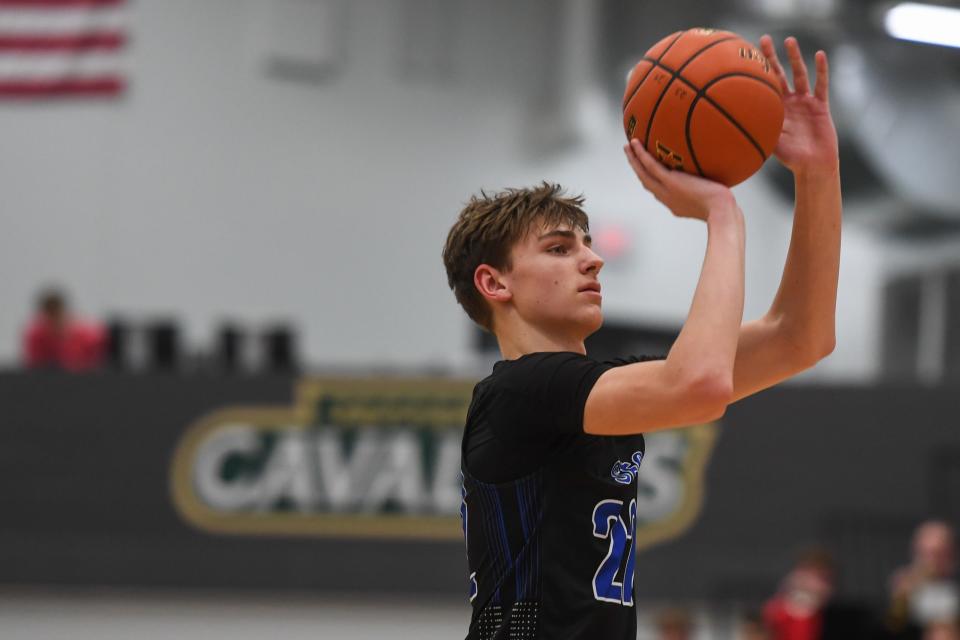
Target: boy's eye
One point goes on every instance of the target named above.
(558, 249)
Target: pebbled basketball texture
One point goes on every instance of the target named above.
(706, 102)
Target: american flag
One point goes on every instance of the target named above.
(60, 48)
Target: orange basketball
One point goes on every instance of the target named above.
(706, 102)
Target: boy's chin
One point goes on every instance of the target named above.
(584, 324)
(592, 324)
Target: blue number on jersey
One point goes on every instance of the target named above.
(608, 523)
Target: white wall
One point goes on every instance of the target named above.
(213, 191)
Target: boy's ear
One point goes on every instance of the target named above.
(490, 283)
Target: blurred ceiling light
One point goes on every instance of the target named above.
(924, 23)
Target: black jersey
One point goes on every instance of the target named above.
(549, 512)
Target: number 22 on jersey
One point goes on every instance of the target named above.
(608, 524)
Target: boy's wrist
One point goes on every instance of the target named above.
(817, 173)
(724, 212)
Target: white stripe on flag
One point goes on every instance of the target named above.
(52, 66)
(61, 21)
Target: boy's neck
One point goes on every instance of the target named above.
(519, 343)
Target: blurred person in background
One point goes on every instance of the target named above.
(796, 611)
(55, 339)
(942, 631)
(924, 592)
(674, 624)
(804, 608)
(752, 627)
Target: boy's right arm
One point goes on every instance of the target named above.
(695, 382)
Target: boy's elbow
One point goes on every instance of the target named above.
(818, 351)
(805, 351)
(711, 394)
(827, 347)
(716, 414)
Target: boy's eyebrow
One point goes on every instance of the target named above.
(587, 240)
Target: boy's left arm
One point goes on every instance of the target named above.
(798, 330)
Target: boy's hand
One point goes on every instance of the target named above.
(687, 196)
(808, 143)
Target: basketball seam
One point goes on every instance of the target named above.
(701, 94)
(676, 74)
(726, 75)
(741, 74)
(652, 67)
(686, 133)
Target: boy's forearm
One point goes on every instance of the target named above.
(806, 302)
(707, 345)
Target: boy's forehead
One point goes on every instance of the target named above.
(539, 228)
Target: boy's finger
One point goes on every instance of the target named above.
(801, 83)
(651, 164)
(822, 89)
(766, 45)
(648, 181)
(638, 169)
(635, 161)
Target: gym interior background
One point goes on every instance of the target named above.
(242, 206)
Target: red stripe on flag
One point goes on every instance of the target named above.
(110, 40)
(59, 4)
(65, 87)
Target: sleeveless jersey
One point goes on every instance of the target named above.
(551, 551)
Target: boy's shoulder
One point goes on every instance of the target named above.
(544, 361)
(544, 374)
(520, 373)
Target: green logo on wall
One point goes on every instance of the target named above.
(378, 457)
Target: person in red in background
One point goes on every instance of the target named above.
(805, 608)
(796, 612)
(54, 339)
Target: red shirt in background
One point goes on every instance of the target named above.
(785, 625)
(76, 346)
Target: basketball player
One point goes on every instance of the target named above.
(553, 439)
